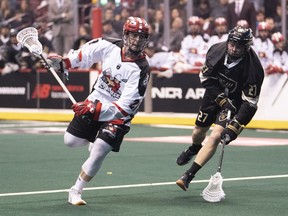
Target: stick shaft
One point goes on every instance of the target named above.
(279, 93)
(226, 93)
(58, 80)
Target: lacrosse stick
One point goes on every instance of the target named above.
(28, 37)
(214, 192)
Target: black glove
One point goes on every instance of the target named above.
(231, 132)
(225, 103)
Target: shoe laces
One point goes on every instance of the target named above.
(75, 192)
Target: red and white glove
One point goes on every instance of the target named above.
(84, 108)
(87, 109)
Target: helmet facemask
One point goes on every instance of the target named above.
(135, 42)
(135, 35)
(239, 42)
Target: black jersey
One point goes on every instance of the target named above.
(243, 78)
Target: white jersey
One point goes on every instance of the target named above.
(194, 48)
(280, 59)
(121, 86)
(264, 50)
(217, 39)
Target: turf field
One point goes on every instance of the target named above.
(37, 170)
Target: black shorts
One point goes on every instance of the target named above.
(111, 133)
(210, 112)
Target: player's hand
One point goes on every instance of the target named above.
(225, 103)
(84, 108)
(57, 63)
(231, 132)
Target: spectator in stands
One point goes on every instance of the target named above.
(167, 63)
(270, 7)
(278, 18)
(4, 34)
(260, 17)
(241, 9)
(262, 44)
(60, 13)
(278, 63)
(108, 30)
(11, 54)
(120, 20)
(84, 36)
(6, 12)
(220, 9)
(174, 14)
(46, 43)
(24, 15)
(276, 73)
(176, 36)
(157, 23)
(270, 21)
(220, 33)
(109, 16)
(193, 46)
(203, 10)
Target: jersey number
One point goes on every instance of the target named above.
(252, 90)
(202, 117)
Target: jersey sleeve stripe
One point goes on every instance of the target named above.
(121, 110)
(97, 111)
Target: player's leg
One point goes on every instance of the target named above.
(206, 116)
(73, 141)
(198, 136)
(80, 132)
(205, 153)
(109, 138)
(90, 168)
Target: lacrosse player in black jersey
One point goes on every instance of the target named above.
(231, 65)
(103, 118)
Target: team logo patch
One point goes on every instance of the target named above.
(223, 115)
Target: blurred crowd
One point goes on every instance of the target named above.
(189, 38)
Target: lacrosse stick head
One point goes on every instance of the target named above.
(28, 37)
(214, 192)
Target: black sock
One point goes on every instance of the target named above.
(195, 148)
(194, 168)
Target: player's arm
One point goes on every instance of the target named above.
(92, 52)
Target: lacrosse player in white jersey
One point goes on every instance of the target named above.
(193, 46)
(263, 45)
(104, 117)
(221, 31)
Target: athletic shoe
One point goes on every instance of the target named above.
(187, 154)
(185, 180)
(75, 197)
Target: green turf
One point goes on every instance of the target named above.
(41, 162)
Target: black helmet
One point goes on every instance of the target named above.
(241, 36)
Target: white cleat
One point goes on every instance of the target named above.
(75, 197)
